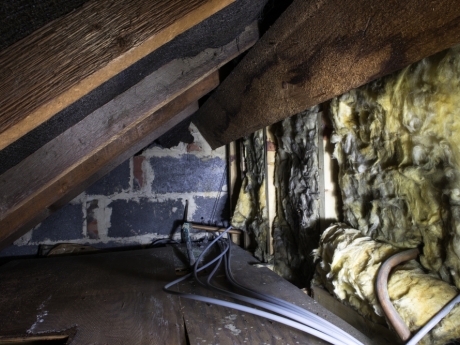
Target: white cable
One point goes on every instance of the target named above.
(434, 321)
(303, 324)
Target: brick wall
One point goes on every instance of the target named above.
(141, 200)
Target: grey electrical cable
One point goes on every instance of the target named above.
(339, 338)
(279, 301)
(434, 321)
(304, 318)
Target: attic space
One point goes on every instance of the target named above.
(229, 172)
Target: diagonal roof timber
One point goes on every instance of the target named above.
(71, 56)
(318, 50)
(63, 167)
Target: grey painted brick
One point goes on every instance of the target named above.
(131, 218)
(65, 224)
(112, 183)
(187, 174)
(209, 211)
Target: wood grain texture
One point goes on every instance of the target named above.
(42, 182)
(213, 324)
(117, 298)
(270, 192)
(320, 49)
(110, 298)
(63, 61)
(379, 334)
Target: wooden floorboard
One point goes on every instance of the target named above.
(320, 49)
(67, 58)
(110, 298)
(43, 181)
(211, 324)
(117, 298)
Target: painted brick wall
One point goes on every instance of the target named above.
(141, 200)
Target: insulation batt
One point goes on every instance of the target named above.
(250, 211)
(398, 148)
(296, 226)
(348, 269)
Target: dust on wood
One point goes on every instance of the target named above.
(61, 62)
(318, 50)
(113, 298)
(36, 186)
(207, 323)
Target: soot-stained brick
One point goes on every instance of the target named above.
(187, 174)
(66, 224)
(131, 218)
(212, 211)
(138, 172)
(92, 229)
(112, 183)
(14, 250)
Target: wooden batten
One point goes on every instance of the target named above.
(318, 50)
(66, 59)
(232, 183)
(270, 193)
(46, 179)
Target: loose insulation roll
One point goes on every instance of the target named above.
(349, 262)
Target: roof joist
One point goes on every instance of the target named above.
(58, 64)
(318, 50)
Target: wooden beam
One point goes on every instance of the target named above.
(270, 193)
(232, 181)
(44, 181)
(66, 59)
(318, 50)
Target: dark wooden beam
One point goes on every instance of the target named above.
(56, 65)
(65, 166)
(320, 49)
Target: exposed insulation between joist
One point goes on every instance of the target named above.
(348, 269)
(296, 226)
(398, 147)
(251, 211)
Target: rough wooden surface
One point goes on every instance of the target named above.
(211, 324)
(379, 334)
(66, 59)
(270, 193)
(320, 49)
(116, 298)
(113, 298)
(215, 31)
(44, 178)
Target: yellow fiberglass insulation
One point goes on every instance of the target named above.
(348, 269)
(398, 147)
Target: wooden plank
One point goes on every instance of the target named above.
(109, 298)
(270, 193)
(378, 334)
(45, 178)
(329, 174)
(213, 324)
(232, 180)
(66, 59)
(318, 50)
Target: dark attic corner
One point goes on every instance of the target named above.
(229, 172)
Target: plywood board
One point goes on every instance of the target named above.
(114, 298)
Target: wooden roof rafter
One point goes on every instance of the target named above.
(318, 50)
